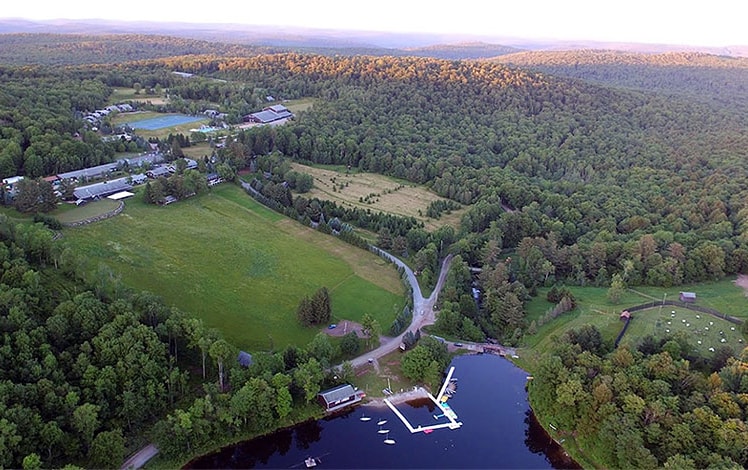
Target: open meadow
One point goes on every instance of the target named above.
(351, 188)
(240, 267)
(593, 308)
(128, 94)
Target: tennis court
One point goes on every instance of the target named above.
(168, 120)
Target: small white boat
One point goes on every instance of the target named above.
(389, 441)
(381, 422)
(365, 418)
(310, 462)
(383, 431)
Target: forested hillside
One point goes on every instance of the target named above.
(70, 49)
(710, 78)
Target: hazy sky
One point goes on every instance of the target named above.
(688, 22)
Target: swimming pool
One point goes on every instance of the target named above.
(161, 122)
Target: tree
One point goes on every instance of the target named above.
(283, 398)
(322, 309)
(321, 349)
(370, 328)
(221, 351)
(350, 344)
(617, 289)
(32, 462)
(308, 377)
(86, 422)
(107, 447)
(305, 311)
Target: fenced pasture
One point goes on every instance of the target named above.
(71, 213)
(376, 192)
(240, 267)
(594, 308)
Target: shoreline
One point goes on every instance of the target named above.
(398, 398)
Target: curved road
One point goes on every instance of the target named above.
(423, 308)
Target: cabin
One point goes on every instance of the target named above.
(244, 359)
(158, 171)
(625, 315)
(688, 297)
(339, 397)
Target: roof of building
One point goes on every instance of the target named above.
(158, 171)
(154, 157)
(102, 189)
(338, 393)
(120, 195)
(266, 116)
(12, 179)
(245, 359)
(139, 178)
(90, 172)
(278, 108)
(688, 295)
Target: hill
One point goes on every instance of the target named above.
(719, 79)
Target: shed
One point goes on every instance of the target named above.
(339, 397)
(625, 315)
(688, 297)
(245, 359)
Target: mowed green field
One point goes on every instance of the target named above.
(240, 267)
(595, 309)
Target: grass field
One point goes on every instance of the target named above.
(239, 266)
(595, 309)
(128, 94)
(376, 192)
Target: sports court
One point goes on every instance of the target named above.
(161, 122)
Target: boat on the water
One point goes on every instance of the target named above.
(365, 418)
(383, 431)
(381, 422)
(310, 462)
(389, 441)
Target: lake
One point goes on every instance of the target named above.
(498, 431)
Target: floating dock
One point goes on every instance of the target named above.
(447, 411)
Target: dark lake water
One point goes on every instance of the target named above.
(498, 431)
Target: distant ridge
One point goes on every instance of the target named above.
(432, 45)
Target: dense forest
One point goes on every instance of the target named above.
(646, 408)
(704, 77)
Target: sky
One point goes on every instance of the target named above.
(685, 22)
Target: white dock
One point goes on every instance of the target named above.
(446, 383)
(447, 411)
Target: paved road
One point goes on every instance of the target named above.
(423, 309)
(141, 457)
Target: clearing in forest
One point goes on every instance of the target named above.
(351, 188)
(239, 266)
